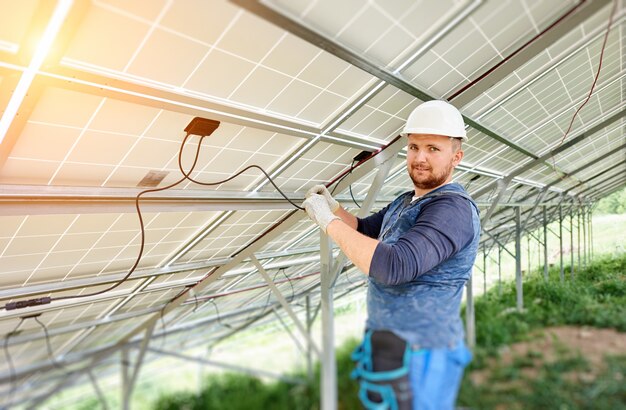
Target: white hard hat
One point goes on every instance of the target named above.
(436, 117)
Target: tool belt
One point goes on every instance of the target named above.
(382, 369)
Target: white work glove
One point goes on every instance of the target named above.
(319, 211)
(322, 190)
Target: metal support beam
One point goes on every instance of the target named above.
(309, 325)
(563, 147)
(70, 284)
(562, 272)
(499, 243)
(556, 31)
(518, 261)
(125, 387)
(470, 317)
(241, 369)
(293, 337)
(534, 208)
(98, 391)
(545, 243)
(571, 242)
(578, 266)
(288, 24)
(501, 185)
(134, 374)
(366, 206)
(584, 219)
(484, 270)
(328, 374)
(499, 270)
(590, 230)
(39, 199)
(283, 302)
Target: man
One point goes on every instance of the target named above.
(418, 253)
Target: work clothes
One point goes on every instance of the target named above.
(425, 256)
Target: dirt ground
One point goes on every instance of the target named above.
(548, 344)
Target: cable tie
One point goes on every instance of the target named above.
(20, 304)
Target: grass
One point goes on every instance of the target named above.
(596, 297)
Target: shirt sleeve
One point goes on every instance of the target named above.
(370, 225)
(443, 227)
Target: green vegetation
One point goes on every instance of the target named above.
(596, 297)
(613, 204)
(240, 392)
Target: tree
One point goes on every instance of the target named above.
(613, 204)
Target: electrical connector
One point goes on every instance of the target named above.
(362, 155)
(202, 127)
(20, 304)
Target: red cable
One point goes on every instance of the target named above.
(595, 80)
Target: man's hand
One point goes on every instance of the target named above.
(322, 190)
(319, 211)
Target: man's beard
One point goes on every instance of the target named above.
(432, 180)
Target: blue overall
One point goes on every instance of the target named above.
(425, 256)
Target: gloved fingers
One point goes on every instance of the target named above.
(317, 189)
(316, 203)
(319, 211)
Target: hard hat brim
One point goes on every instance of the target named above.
(429, 131)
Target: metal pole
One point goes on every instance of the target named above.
(484, 271)
(545, 243)
(518, 260)
(124, 365)
(470, 320)
(98, 391)
(283, 302)
(289, 332)
(562, 274)
(571, 239)
(540, 243)
(528, 253)
(590, 234)
(328, 374)
(228, 366)
(578, 266)
(499, 270)
(309, 353)
(585, 240)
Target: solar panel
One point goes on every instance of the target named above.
(300, 93)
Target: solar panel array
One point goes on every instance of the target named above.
(108, 107)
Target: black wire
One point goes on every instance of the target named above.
(186, 176)
(12, 374)
(293, 292)
(163, 326)
(352, 196)
(195, 298)
(267, 301)
(343, 177)
(219, 318)
(48, 345)
(349, 186)
(142, 228)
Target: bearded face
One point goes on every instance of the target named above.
(431, 160)
(425, 177)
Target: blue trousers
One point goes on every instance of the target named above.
(393, 376)
(435, 376)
